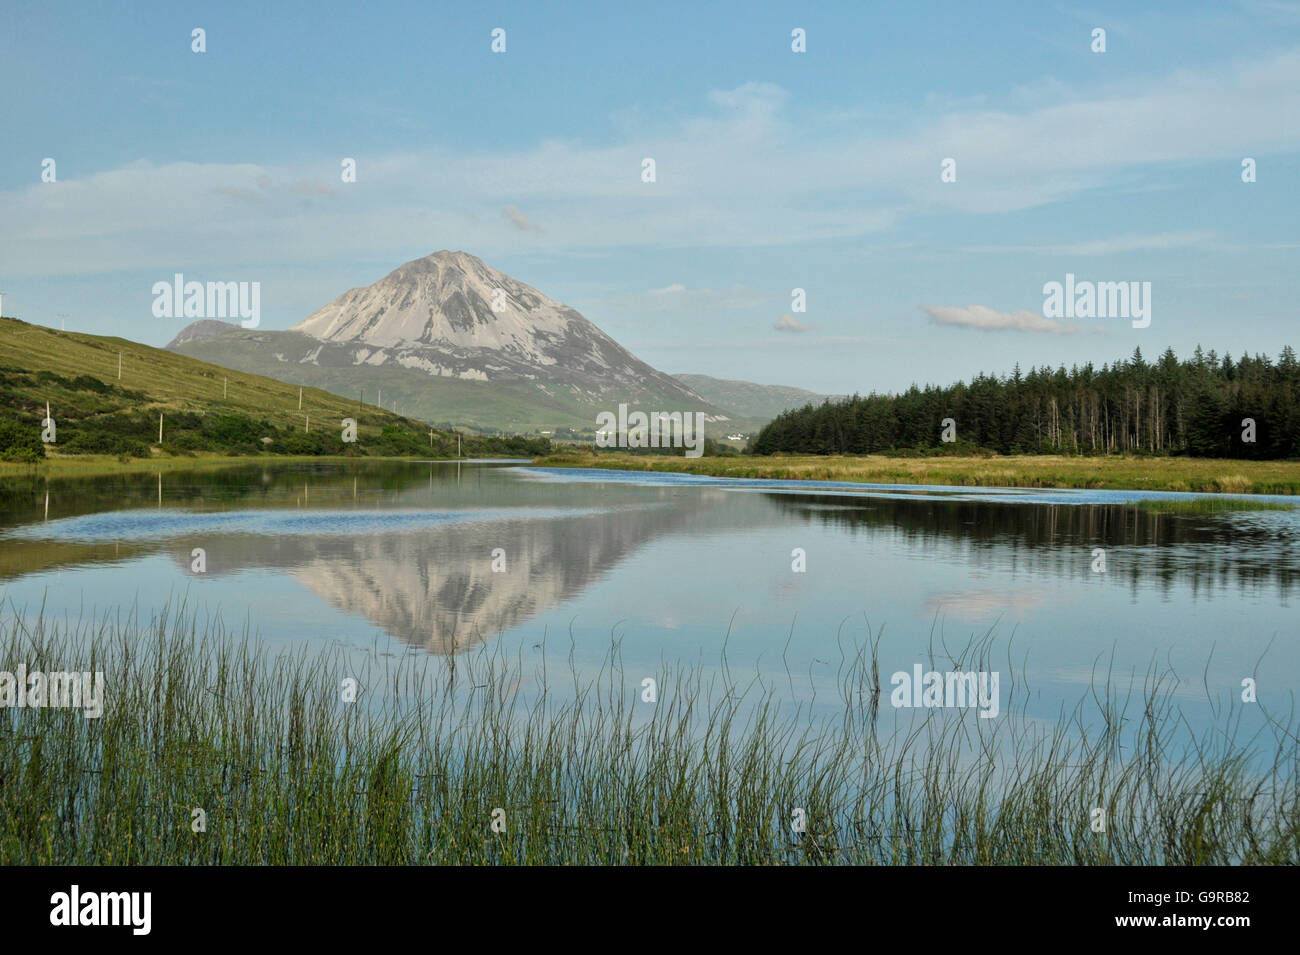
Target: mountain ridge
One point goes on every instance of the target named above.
(748, 399)
(449, 338)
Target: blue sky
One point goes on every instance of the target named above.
(775, 170)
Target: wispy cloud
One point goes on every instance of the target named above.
(310, 187)
(761, 344)
(1287, 11)
(1118, 245)
(678, 297)
(259, 185)
(521, 221)
(742, 172)
(987, 319)
(788, 323)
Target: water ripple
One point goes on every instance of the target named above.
(155, 524)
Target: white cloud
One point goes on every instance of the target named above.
(788, 323)
(741, 173)
(757, 100)
(987, 319)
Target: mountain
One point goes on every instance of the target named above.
(448, 338)
(744, 399)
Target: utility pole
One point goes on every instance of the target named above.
(224, 383)
(430, 437)
(119, 366)
(160, 416)
(299, 397)
(457, 444)
(307, 430)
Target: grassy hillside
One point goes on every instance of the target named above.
(747, 400)
(204, 408)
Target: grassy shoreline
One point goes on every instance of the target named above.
(1195, 475)
(1119, 473)
(94, 465)
(286, 771)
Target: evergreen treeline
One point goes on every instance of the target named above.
(1191, 407)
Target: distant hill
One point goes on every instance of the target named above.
(204, 407)
(451, 339)
(745, 399)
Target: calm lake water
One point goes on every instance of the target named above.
(399, 557)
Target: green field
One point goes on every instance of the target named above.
(1115, 472)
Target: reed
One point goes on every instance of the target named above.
(584, 772)
(1210, 505)
(1096, 472)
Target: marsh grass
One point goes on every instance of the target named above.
(97, 465)
(199, 717)
(1210, 505)
(1098, 472)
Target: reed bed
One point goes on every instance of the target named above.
(1209, 505)
(578, 769)
(1093, 472)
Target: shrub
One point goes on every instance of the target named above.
(19, 443)
(105, 442)
(89, 383)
